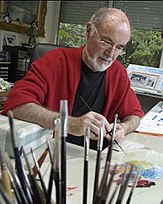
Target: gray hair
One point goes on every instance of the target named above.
(103, 14)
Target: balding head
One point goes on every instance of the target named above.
(108, 32)
(111, 16)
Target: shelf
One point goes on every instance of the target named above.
(17, 53)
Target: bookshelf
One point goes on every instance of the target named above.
(19, 57)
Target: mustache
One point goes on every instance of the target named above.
(106, 58)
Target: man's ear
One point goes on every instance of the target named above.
(88, 29)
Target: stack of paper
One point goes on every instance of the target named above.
(152, 122)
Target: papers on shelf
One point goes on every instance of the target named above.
(149, 92)
(152, 122)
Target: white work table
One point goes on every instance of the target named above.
(153, 151)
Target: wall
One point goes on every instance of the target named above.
(51, 26)
(161, 60)
(51, 22)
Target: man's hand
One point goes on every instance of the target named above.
(91, 119)
(119, 133)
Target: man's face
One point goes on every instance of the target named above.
(104, 44)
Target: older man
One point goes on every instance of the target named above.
(95, 84)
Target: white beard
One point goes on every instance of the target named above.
(98, 67)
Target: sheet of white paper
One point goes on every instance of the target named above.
(152, 122)
(127, 146)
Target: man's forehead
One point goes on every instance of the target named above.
(118, 33)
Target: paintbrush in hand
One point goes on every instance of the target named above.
(89, 108)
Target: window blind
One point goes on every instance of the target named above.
(147, 15)
(79, 12)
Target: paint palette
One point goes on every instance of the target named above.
(149, 162)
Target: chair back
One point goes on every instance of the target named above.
(40, 49)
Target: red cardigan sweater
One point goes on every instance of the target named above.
(56, 76)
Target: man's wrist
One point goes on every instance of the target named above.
(123, 125)
(55, 119)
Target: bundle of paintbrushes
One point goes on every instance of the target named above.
(105, 190)
(18, 185)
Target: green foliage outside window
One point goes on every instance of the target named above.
(72, 35)
(144, 48)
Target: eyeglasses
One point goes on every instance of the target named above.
(108, 45)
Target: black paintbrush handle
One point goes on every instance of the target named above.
(50, 186)
(63, 119)
(39, 173)
(85, 182)
(63, 170)
(97, 173)
(21, 175)
(57, 186)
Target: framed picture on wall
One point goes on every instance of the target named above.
(17, 16)
(10, 40)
